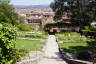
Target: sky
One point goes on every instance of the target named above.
(31, 2)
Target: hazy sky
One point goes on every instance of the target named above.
(31, 2)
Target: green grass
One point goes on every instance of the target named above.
(28, 45)
(74, 47)
(68, 44)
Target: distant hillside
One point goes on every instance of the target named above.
(31, 6)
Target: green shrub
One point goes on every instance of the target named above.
(28, 27)
(24, 27)
(20, 54)
(7, 43)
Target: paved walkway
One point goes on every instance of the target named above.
(52, 55)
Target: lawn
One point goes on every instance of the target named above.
(28, 45)
(74, 47)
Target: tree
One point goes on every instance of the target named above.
(4, 1)
(6, 13)
(82, 11)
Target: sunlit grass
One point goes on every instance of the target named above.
(74, 47)
(28, 45)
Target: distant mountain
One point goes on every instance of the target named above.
(30, 6)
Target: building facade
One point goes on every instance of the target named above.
(36, 15)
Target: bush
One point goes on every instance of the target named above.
(7, 44)
(20, 54)
(28, 27)
(24, 27)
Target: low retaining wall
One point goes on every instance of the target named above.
(73, 61)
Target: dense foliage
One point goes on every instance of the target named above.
(7, 13)
(7, 33)
(26, 27)
(81, 12)
(7, 43)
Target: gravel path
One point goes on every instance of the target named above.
(52, 55)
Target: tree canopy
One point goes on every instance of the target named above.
(4, 1)
(7, 14)
(82, 12)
